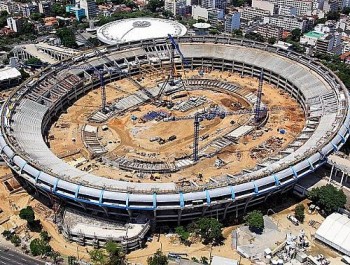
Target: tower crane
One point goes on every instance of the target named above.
(172, 74)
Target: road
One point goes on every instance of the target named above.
(11, 257)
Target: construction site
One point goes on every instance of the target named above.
(164, 131)
(154, 141)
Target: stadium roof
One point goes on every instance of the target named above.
(135, 29)
(335, 232)
(8, 73)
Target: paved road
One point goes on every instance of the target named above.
(11, 257)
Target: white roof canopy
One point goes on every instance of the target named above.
(335, 232)
(136, 29)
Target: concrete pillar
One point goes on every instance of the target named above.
(330, 175)
(342, 177)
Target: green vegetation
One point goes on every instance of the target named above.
(328, 197)
(254, 36)
(3, 18)
(113, 255)
(271, 40)
(116, 256)
(28, 213)
(341, 69)
(98, 257)
(241, 2)
(58, 10)
(333, 15)
(209, 229)
(299, 212)
(237, 33)
(67, 37)
(295, 35)
(182, 233)
(34, 62)
(7, 234)
(39, 247)
(255, 221)
(157, 259)
(155, 5)
(15, 240)
(36, 16)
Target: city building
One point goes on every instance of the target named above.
(269, 31)
(311, 38)
(303, 6)
(232, 21)
(264, 5)
(45, 8)
(251, 13)
(329, 43)
(215, 15)
(287, 11)
(15, 23)
(199, 12)
(178, 7)
(78, 12)
(330, 6)
(9, 7)
(29, 8)
(90, 8)
(287, 22)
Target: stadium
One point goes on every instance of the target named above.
(176, 180)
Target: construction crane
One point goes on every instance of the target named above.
(214, 113)
(258, 99)
(172, 73)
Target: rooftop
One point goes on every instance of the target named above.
(135, 29)
(7, 73)
(314, 34)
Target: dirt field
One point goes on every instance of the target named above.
(129, 138)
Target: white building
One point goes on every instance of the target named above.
(90, 8)
(251, 13)
(176, 6)
(302, 6)
(199, 12)
(264, 5)
(311, 38)
(287, 11)
(287, 22)
(330, 5)
(15, 23)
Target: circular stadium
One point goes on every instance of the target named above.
(193, 148)
(136, 29)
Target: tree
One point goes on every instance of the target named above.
(24, 74)
(67, 37)
(98, 257)
(346, 10)
(204, 260)
(33, 61)
(299, 212)
(55, 256)
(182, 233)
(27, 214)
(271, 40)
(155, 5)
(328, 198)
(58, 10)
(7, 234)
(36, 16)
(157, 259)
(116, 256)
(44, 235)
(39, 247)
(237, 33)
(333, 15)
(295, 34)
(15, 240)
(255, 221)
(209, 229)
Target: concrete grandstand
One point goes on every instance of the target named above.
(30, 109)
